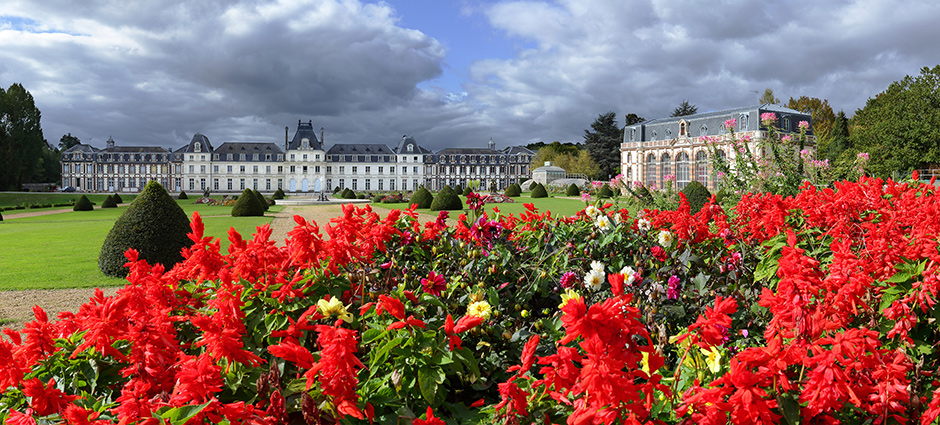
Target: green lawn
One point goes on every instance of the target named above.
(61, 250)
(12, 199)
(557, 205)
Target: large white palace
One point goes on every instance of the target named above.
(301, 165)
(680, 146)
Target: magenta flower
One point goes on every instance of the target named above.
(568, 280)
(768, 117)
(731, 124)
(434, 284)
(803, 125)
(673, 292)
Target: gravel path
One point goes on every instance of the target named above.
(16, 307)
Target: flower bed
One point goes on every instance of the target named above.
(817, 307)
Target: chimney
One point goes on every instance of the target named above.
(286, 129)
(321, 135)
(110, 142)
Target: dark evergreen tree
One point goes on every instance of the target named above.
(603, 143)
(117, 199)
(278, 194)
(182, 195)
(68, 141)
(261, 199)
(109, 202)
(83, 204)
(538, 191)
(446, 199)
(247, 205)
(573, 190)
(154, 225)
(684, 108)
(513, 190)
(422, 197)
(21, 139)
(838, 137)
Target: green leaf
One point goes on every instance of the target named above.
(381, 354)
(469, 361)
(790, 408)
(179, 415)
(371, 334)
(428, 380)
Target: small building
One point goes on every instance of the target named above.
(548, 173)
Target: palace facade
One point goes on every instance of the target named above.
(300, 165)
(681, 147)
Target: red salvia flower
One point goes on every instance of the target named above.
(429, 419)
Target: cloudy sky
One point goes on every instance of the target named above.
(448, 72)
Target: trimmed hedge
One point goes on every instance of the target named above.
(573, 190)
(446, 199)
(83, 204)
(538, 191)
(247, 205)
(348, 194)
(422, 197)
(697, 195)
(1, 215)
(458, 190)
(109, 202)
(264, 202)
(513, 190)
(467, 191)
(182, 195)
(278, 194)
(154, 225)
(605, 192)
(117, 199)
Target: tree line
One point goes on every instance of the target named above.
(25, 156)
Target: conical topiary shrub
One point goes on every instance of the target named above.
(247, 205)
(83, 204)
(467, 191)
(644, 196)
(513, 190)
(458, 189)
(422, 197)
(446, 199)
(1, 215)
(573, 190)
(261, 199)
(348, 194)
(182, 195)
(154, 225)
(696, 195)
(117, 199)
(538, 191)
(605, 192)
(278, 194)
(109, 202)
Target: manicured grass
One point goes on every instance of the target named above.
(557, 205)
(61, 250)
(12, 199)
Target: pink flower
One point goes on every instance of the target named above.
(639, 184)
(568, 280)
(673, 292)
(803, 125)
(731, 124)
(434, 284)
(669, 177)
(787, 138)
(862, 155)
(659, 253)
(586, 197)
(597, 184)
(768, 117)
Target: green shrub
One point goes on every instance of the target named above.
(117, 199)
(697, 195)
(605, 192)
(247, 205)
(348, 194)
(182, 195)
(422, 197)
(83, 204)
(377, 198)
(335, 189)
(458, 189)
(279, 194)
(467, 191)
(261, 199)
(361, 196)
(538, 191)
(109, 202)
(446, 199)
(573, 190)
(513, 190)
(154, 225)
(1, 216)
(644, 196)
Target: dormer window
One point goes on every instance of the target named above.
(305, 143)
(682, 128)
(411, 147)
(197, 147)
(632, 134)
(703, 130)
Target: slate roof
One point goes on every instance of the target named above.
(81, 147)
(402, 147)
(359, 149)
(135, 149)
(206, 146)
(712, 123)
(305, 130)
(468, 151)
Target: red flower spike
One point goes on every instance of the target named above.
(429, 419)
(393, 306)
(616, 283)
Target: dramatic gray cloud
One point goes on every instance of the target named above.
(154, 73)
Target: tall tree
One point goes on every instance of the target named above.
(768, 97)
(603, 143)
(684, 108)
(823, 117)
(632, 118)
(21, 138)
(49, 168)
(838, 137)
(900, 127)
(67, 141)
(566, 156)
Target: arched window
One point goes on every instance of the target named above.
(649, 173)
(682, 128)
(665, 168)
(786, 124)
(682, 170)
(703, 130)
(701, 167)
